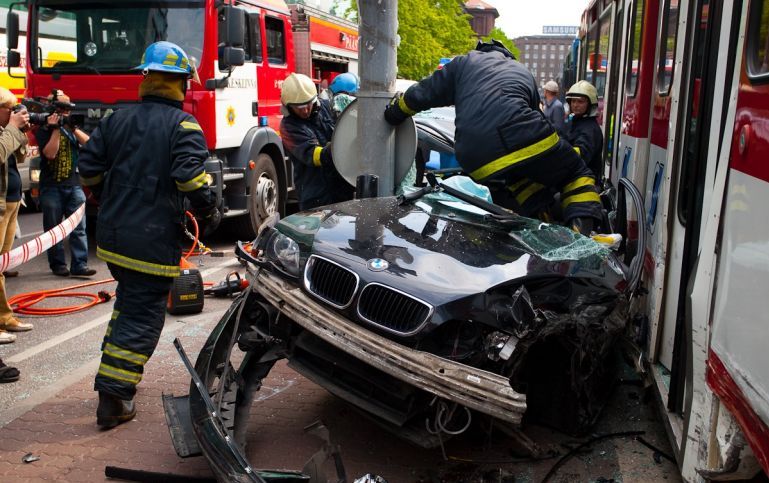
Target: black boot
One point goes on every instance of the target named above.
(113, 411)
(582, 225)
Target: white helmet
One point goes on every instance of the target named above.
(298, 89)
(587, 90)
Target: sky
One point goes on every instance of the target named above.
(526, 17)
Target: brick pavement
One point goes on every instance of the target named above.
(62, 432)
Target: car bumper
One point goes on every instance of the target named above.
(476, 389)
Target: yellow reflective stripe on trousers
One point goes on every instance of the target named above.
(119, 353)
(526, 193)
(113, 372)
(579, 183)
(316, 156)
(93, 180)
(515, 157)
(579, 151)
(404, 107)
(195, 183)
(581, 198)
(138, 265)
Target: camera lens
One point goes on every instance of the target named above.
(38, 117)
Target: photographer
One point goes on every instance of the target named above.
(13, 144)
(60, 191)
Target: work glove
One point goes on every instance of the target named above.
(326, 159)
(207, 220)
(393, 113)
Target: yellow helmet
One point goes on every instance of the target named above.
(297, 89)
(585, 89)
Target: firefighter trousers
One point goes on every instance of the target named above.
(133, 332)
(529, 187)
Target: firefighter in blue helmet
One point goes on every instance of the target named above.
(140, 163)
(343, 89)
(502, 137)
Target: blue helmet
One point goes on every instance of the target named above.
(344, 83)
(166, 57)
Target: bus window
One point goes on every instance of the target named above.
(603, 54)
(758, 40)
(276, 40)
(634, 48)
(668, 47)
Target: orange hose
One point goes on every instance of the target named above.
(23, 302)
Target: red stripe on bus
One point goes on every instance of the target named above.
(755, 429)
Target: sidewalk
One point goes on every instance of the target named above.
(62, 431)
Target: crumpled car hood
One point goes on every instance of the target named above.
(442, 249)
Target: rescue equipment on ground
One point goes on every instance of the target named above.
(231, 285)
(186, 295)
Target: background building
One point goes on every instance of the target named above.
(484, 16)
(543, 55)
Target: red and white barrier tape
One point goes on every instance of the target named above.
(35, 247)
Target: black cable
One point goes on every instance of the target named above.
(589, 442)
(656, 449)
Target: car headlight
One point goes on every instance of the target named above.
(285, 251)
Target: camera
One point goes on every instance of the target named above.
(40, 109)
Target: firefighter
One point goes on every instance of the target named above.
(502, 137)
(140, 163)
(306, 130)
(583, 131)
(343, 89)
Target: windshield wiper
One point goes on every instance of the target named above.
(498, 212)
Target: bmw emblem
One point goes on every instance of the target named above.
(377, 264)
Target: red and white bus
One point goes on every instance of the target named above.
(684, 87)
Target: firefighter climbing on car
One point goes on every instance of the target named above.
(141, 163)
(502, 138)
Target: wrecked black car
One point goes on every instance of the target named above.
(423, 311)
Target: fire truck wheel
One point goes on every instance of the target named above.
(264, 196)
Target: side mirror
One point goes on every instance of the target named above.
(12, 31)
(231, 57)
(13, 58)
(235, 27)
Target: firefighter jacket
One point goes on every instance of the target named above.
(315, 177)
(13, 142)
(585, 135)
(142, 162)
(498, 120)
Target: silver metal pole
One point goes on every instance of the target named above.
(378, 28)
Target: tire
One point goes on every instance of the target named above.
(264, 197)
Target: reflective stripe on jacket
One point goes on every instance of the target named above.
(498, 120)
(144, 160)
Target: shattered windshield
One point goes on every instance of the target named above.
(110, 37)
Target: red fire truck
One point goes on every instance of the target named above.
(243, 51)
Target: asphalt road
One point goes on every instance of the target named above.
(63, 352)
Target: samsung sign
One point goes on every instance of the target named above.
(559, 30)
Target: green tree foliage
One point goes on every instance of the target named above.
(429, 30)
(497, 34)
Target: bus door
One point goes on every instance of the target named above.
(630, 160)
(694, 154)
(738, 359)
